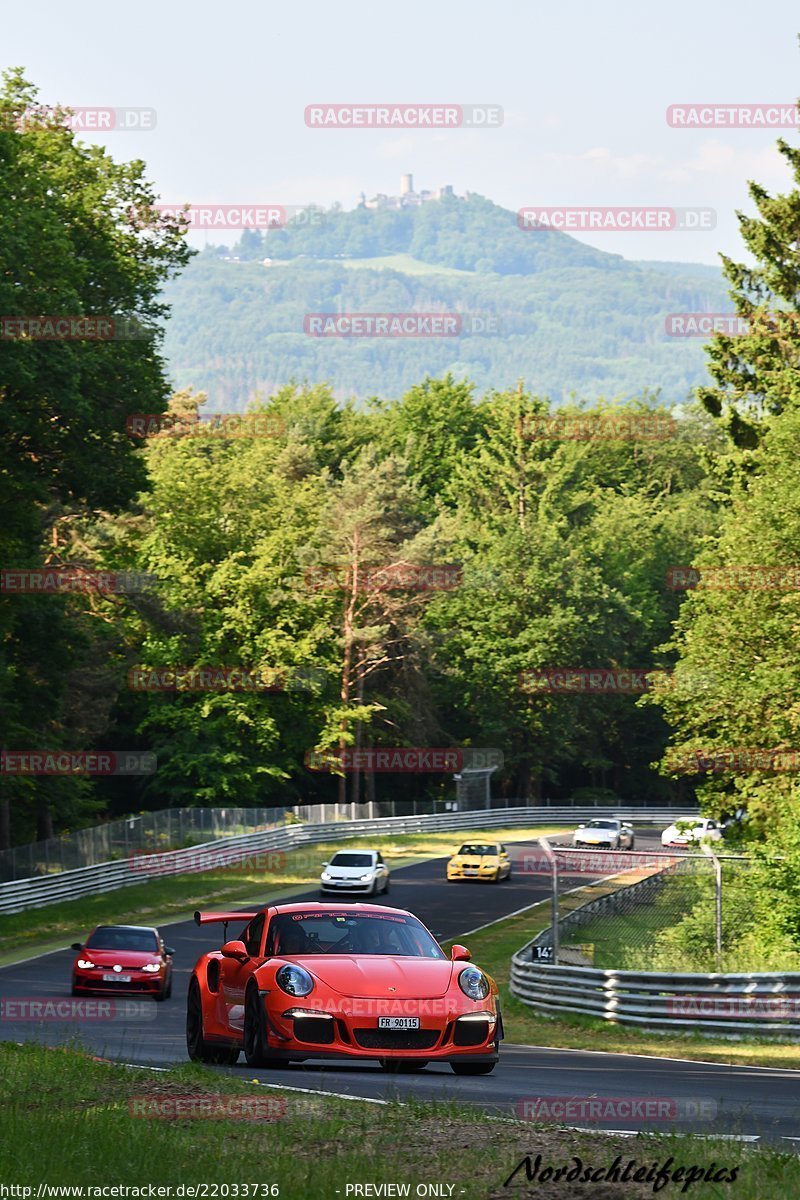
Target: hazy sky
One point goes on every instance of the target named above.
(584, 87)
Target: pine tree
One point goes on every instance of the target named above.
(757, 374)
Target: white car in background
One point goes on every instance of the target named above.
(690, 831)
(607, 832)
(361, 871)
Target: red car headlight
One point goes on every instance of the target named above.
(84, 964)
(474, 983)
(294, 980)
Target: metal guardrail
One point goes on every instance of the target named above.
(37, 892)
(157, 829)
(163, 829)
(762, 1003)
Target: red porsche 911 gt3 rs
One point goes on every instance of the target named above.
(318, 980)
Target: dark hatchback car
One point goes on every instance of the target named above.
(124, 959)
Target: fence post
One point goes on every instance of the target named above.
(718, 890)
(543, 842)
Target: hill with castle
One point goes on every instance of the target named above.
(542, 306)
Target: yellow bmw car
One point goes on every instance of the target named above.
(480, 860)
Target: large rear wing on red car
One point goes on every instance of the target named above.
(209, 918)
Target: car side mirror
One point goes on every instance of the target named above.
(76, 946)
(169, 951)
(236, 950)
(326, 864)
(460, 953)
(581, 827)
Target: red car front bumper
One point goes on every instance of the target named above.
(92, 983)
(302, 1031)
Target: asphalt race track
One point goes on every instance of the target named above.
(758, 1103)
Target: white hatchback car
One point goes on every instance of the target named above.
(355, 871)
(689, 830)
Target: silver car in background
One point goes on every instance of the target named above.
(605, 832)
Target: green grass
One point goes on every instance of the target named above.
(674, 931)
(615, 937)
(396, 262)
(492, 948)
(66, 1120)
(55, 926)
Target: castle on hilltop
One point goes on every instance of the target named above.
(408, 198)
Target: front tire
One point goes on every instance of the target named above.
(254, 1048)
(256, 1051)
(472, 1068)
(199, 1049)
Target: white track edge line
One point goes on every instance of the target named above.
(702, 1062)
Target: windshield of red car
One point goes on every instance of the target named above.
(142, 941)
(337, 931)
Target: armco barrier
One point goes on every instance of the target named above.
(762, 1003)
(23, 894)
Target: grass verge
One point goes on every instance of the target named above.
(492, 949)
(404, 263)
(53, 927)
(69, 1121)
